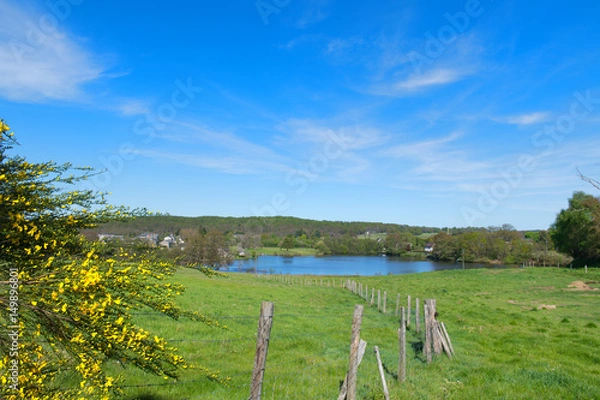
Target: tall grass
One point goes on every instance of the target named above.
(505, 347)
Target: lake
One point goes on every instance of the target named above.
(341, 265)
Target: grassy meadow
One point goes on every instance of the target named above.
(507, 345)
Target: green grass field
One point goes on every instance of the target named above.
(505, 347)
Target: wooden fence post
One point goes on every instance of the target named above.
(378, 300)
(397, 303)
(427, 345)
(372, 297)
(382, 375)
(445, 332)
(417, 316)
(442, 339)
(265, 322)
(354, 344)
(362, 347)
(408, 313)
(402, 355)
(384, 301)
(436, 338)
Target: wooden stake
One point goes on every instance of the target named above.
(362, 347)
(384, 301)
(397, 303)
(265, 322)
(402, 355)
(353, 362)
(408, 313)
(435, 338)
(447, 337)
(427, 345)
(417, 316)
(382, 375)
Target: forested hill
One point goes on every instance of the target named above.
(280, 226)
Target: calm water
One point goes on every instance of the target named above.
(340, 265)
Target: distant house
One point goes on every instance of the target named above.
(429, 247)
(170, 241)
(149, 238)
(102, 237)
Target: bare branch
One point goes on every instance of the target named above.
(591, 181)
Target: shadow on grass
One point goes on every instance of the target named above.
(393, 374)
(418, 349)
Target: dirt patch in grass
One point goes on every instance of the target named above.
(546, 307)
(581, 286)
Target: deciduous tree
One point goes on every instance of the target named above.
(576, 230)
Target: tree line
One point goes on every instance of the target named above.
(279, 226)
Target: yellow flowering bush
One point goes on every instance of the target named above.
(65, 307)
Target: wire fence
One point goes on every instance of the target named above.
(325, 348)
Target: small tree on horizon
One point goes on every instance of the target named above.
(287, 243)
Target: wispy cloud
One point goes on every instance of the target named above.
(525, 119)
(439, 160)
(397, 74)
(220, 140)
(38, 63)
(351, 137)
(133, 107)
(346, 150)
(224, 164)
(313, 13)
(208, 148)
(430, 78)
(338, 45)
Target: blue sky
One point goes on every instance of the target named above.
(437, 113)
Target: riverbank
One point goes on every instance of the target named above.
(306, 251)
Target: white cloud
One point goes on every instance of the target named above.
(525, 119)
(344, 151)
(397, 74)
(439, 160)
(225, 141)
(225, 164)
(338, 45)
(430, 78)
(417, 82)
(351, 137)
(40, 61)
